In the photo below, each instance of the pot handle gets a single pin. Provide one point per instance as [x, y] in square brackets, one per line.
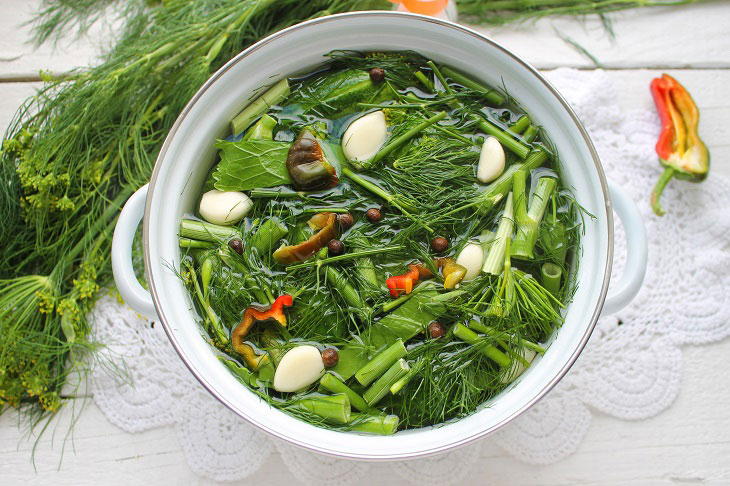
[136, 296]
[623, 290]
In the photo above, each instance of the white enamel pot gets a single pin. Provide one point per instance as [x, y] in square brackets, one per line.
[188, 153]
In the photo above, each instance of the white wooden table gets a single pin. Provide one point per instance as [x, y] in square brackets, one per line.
[687, 444]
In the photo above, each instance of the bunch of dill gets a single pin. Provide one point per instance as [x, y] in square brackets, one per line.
[80, 147]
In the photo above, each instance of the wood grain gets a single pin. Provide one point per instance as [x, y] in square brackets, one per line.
[657, 37]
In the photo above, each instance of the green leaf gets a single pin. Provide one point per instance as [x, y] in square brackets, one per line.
[251, 164]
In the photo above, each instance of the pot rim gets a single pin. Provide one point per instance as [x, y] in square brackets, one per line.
[375, 15]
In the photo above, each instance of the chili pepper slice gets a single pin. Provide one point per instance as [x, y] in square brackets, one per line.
[307, 164]
[250, 317]
[297, 253]
[453, 272]
[680, 149]
[404, 283]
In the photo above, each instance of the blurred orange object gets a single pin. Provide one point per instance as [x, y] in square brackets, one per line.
[424, 7]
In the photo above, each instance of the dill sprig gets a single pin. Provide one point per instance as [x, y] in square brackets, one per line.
[78, 148]
[500, 12]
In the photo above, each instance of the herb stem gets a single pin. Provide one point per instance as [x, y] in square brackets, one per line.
[332, 408]
[520, 125]
[519, 148]
[380, 363]
[209, 232]
[490, 351]
[528, 221]
[494, 262]
[333, 384]
[382, 385]
[490, 95]
[401, 140]
[346, 256]
[550, 275]
[374, 424]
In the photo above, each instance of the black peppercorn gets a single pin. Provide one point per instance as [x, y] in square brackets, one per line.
[439, 244]
[373, 215]
[335, 247]
[377, 75]
[346, 220]
[236, 245]
[330, 357]
[436, 329]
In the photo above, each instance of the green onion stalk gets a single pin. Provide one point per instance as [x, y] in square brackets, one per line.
[330, 408]
[380, 363]
[382, 385]
[528, 220]
[78, 148]
[378, 424]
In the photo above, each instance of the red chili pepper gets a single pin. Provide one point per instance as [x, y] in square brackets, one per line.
[405, 283]
[251, 316]
[679, 147]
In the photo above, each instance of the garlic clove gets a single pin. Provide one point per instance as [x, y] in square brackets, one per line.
[229, 207]
[491, 160]
[471, 258]
[298, 368]
[517, 367]
[364, 137]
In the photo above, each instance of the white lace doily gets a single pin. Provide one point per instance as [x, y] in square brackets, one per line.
[630, 368]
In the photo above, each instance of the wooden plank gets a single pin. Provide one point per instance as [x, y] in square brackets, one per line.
[649, 37]
[661, 37]
[21, 61]
[13, 95]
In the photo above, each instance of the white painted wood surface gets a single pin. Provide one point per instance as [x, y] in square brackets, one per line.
[687, 444]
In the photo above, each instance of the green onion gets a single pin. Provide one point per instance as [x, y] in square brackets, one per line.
[404, 380]
[519, 148]
[382, 385]
[332, 408]
[269, 233]
[530, 134]
[380, 363]
[213, 233]
[489, 331]
[333, 384]
[374, 424]
[345, 289]
[528, 221]
[190, 243]
[494, 262]
[520, 125]
[258, 107]
[490, 351]
[550, 275]
[490, 95]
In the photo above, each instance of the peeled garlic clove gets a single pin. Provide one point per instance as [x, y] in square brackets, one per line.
[491, 160]
[517, 367]
[364, 137]
[229, 207]
[471, 258]
[298, 368]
